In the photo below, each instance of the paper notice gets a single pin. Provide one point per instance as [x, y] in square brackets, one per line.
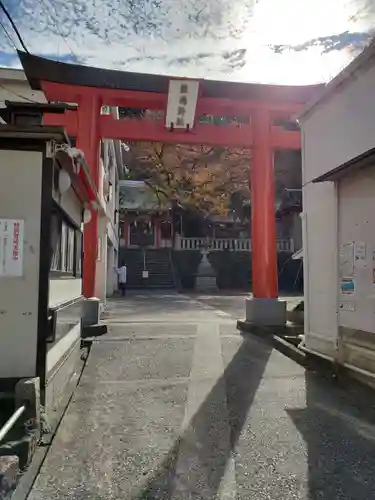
[347, 259]
[360, 254]
[11, 247]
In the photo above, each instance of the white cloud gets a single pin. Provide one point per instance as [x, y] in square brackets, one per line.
[292, 41]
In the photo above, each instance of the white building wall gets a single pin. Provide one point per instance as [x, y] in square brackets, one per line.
[319, 222]
[106, 278]
[337, 130]
[341, 127]
[357, 224]
[19, 295]
[111, 168]
[112, 226]
[101, 262]
[111, 269]
[63, 289]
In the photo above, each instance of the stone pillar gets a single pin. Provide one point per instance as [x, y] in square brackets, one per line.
[206, 278]
[27, 392]
[91, 312]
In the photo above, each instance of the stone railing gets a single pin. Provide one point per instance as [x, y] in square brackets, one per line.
[231, 244]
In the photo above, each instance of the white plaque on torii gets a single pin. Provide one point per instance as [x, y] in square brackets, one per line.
[182, 104]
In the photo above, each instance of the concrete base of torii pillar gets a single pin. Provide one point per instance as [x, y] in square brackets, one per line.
[267, 316]
[265, 312]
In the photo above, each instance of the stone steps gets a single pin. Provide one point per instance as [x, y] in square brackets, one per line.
[157, 264]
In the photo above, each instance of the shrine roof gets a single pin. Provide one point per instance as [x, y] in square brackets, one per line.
[38, 69]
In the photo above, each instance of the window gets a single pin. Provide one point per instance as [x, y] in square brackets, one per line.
[108, 198]
[70, 250]
[99, 249]
[66, 246]
[55, 242]
[111, 158]
[121, 229]
[63, 246]
[110, 191]
[102, 151]
[286, 124]
[79, 255]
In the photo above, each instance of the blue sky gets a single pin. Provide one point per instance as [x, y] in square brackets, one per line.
[268, 41]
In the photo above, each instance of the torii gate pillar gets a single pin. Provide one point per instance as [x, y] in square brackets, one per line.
[263, 308]
[88, 140]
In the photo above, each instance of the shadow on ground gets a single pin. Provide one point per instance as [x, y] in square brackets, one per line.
[338, 428]
[205, 440]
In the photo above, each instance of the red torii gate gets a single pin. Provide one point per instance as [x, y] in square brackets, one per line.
[92, 88]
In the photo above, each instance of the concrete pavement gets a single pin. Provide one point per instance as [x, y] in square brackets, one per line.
[175, 405]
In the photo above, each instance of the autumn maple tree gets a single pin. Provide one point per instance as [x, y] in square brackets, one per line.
[209, 180]
[199, 178]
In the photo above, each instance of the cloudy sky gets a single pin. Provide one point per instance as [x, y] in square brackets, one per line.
[268, 41]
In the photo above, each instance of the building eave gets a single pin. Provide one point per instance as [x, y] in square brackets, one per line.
[363, 60]
[12, 74]
[361, 162]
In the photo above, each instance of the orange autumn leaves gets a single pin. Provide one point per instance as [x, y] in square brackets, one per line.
[198, 178]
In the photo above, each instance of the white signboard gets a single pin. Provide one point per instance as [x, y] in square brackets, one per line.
[145, 274]
[105, 110]
[347, 306]
[182, 102]
[11, 247]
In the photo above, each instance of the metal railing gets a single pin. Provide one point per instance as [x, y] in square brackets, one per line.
[231, 244]
[213, 244]
[11, 421]
[218, 244]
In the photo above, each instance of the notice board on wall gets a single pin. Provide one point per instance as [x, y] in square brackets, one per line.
[11, 247]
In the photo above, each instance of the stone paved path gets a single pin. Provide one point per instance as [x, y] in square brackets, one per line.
[175, 405]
